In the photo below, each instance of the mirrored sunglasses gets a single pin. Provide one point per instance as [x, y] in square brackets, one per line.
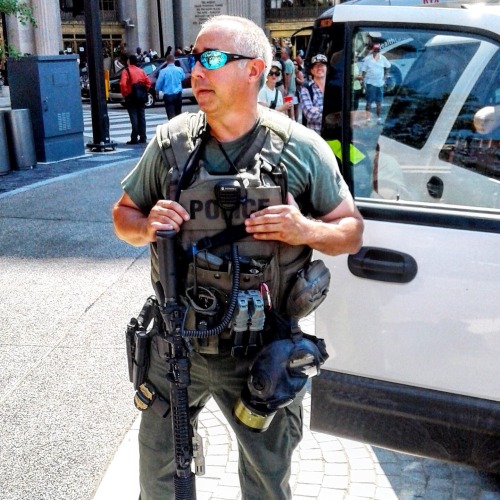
[214, 59]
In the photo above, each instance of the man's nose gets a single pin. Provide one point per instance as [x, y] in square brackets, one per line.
[197, 69]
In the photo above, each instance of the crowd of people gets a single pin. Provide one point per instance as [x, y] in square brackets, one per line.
[291, 90]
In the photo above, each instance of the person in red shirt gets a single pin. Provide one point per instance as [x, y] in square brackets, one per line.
[130, 75]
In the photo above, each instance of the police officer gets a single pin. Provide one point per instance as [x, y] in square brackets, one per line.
[230, 61]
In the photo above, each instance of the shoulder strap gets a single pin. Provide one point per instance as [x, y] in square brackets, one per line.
[310, 90]
[275, 100]
[280, 130]
[129, 74]
[178, 140]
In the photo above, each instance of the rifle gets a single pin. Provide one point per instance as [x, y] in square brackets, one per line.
[187, 443]
[178, 375]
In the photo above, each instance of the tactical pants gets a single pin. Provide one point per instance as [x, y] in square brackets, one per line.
[264, 458]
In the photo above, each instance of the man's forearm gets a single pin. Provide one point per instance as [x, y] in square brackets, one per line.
[130, 225]
[335, 238]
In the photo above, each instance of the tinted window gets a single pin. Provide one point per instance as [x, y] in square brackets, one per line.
[426, 147]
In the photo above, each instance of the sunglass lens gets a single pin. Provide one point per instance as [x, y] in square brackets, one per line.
[213, 59]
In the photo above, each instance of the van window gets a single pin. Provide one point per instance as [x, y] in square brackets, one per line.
[414, 138]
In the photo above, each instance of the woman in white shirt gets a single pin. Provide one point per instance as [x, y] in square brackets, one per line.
[269, 95]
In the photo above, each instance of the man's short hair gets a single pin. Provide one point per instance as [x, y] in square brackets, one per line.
[249, 39]
[133, 59]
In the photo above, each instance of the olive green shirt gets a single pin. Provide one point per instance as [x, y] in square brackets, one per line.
[314, 178]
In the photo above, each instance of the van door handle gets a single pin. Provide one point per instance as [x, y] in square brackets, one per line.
[381, 264]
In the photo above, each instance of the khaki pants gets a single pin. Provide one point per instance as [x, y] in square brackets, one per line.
[264, 458]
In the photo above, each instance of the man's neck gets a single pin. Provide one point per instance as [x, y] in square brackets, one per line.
[230, 127]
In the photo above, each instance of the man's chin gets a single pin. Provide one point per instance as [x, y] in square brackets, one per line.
[205, 101]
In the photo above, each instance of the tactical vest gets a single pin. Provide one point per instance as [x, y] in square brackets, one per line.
[265, 265]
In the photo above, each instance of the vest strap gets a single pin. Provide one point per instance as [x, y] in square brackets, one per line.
[226, 236]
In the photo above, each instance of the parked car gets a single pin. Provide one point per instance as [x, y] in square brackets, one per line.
[153, 69]
[187, 91]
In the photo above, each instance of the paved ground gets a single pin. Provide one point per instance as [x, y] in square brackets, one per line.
[69, 428]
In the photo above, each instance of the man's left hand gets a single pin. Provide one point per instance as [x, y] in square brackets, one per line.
[279, 223]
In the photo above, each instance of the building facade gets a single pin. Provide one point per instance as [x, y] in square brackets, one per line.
[153, 24]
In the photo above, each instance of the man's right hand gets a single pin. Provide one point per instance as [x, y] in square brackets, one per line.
[136, 228]
[166, 215]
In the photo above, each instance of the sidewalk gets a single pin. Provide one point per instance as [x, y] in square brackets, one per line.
[68, 287]
[46, 172]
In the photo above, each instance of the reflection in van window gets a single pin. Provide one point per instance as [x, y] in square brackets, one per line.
[439, 137]
[426, 89]
[474, 141]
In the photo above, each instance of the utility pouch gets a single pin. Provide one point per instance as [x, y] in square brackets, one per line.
[138, 342]
[309, 290]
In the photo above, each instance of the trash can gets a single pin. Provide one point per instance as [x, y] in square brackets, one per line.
[4, 147]
[20, 138]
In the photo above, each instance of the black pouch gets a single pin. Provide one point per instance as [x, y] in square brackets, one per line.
[138, 341]
[309, 290]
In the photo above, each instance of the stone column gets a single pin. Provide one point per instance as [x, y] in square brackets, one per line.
[48, 33]
[167, 24]
[20, 36]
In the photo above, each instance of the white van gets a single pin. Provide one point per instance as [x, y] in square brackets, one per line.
[412, 321]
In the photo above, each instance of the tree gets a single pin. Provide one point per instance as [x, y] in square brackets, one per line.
[18, 8]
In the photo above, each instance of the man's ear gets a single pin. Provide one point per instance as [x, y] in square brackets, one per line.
[257, 67]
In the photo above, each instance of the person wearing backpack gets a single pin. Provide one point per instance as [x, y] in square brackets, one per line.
[311, 94]
[134, 86]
